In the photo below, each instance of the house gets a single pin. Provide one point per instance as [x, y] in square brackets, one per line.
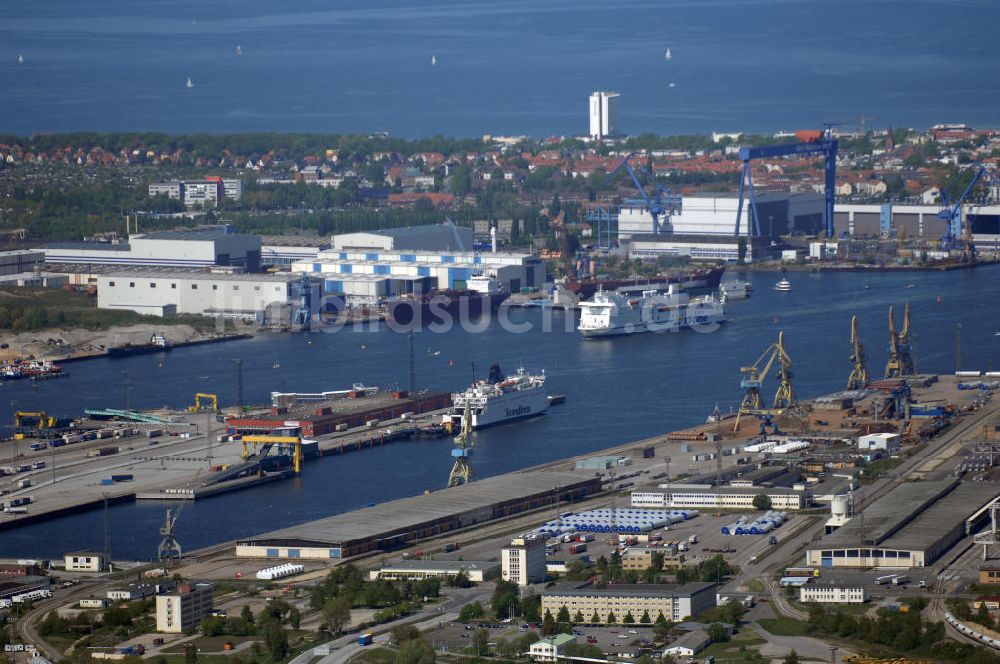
[549, 650]
[85, 561]
[689, 645]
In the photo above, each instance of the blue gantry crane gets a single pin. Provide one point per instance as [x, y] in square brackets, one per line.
[662, 202]
[811, 142]
[951, 214]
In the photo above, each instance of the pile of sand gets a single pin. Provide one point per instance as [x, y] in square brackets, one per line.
[56, 344]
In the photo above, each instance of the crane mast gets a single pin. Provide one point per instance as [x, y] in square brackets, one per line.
[461, 470]
[858, 379]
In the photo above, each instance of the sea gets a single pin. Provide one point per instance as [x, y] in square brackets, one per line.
[617, 390]
[416, 68]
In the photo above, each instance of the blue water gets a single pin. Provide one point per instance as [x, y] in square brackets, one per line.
[521, 66]
[618, 390]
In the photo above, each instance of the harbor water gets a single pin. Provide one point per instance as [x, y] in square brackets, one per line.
[618, 390]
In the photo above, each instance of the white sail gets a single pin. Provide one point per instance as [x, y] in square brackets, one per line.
[434, 59]
[189, 83]
[668, 56]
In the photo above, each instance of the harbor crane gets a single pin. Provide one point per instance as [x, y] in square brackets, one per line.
[900, 361]
[951, 214]
[811, 142]
[858, 380]
[292, 444]
[661, 203]
[461, 471]
[303, 314]
[753, 379]
[558, 225]
[169, 546]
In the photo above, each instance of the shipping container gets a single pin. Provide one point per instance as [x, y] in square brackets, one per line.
[37, 446]
[341, 427]
[23, 467]
[451, 546]
[24, 484]
[579, 547]
[57, 442]
[122, 478]
[154, 433]
[38, 465]
[108, 451]
[107, 481]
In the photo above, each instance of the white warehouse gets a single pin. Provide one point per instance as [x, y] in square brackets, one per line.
[264, 298]
[679, 496]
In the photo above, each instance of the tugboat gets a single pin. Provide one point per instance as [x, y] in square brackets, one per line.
[157, 344]
[34, 369]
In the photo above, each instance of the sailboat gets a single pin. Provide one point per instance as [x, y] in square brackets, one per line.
[189, 83]
[20, 59]
[434, 59]
[239, 51]
[668, 56]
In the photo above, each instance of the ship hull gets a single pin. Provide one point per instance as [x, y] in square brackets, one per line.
[708, 278]
[508, 408]
[443, 308]
[128, 351]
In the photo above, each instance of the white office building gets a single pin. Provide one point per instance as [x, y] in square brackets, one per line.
[199, 193]
[85, 561]
[183, 609]
[833, 594]
[523, 561]
[603, 114]
[886, 442]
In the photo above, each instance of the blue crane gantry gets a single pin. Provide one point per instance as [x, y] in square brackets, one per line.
[821, 144]
[662, 201]
[951, 214]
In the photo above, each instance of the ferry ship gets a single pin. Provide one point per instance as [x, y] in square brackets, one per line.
[500, 399]
[613, 313]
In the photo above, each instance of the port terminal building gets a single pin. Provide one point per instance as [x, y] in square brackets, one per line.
[398, 523]
[911, 526]
[324, 413]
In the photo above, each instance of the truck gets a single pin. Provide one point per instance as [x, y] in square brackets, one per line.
[693, 539]
[682, 546]
[154, 433]
[122, 478]
[24, 484]
[366, 639]
[451, 546]
[885, 580]
[38, 465]
[579, 547]
[585, 537]
[900, 579]
[37, 447]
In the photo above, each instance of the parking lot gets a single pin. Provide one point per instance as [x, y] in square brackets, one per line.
[620, 639]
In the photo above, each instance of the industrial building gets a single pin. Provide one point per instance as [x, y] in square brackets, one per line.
[523, 561]
[431, 237]
[912, 221]
[395, 524]
[20, 261]
[316, 415]
[697, 247]
[714, 214]
[612, 604]
[477, 571]
[85, 561]
[261, 298]
[886, 442]
[826, 594]
[724, 497]
[23, 584]
[283, 250]
[200, 247]
[378, 273]
[183, 609]
[911, 526]
[603, 114]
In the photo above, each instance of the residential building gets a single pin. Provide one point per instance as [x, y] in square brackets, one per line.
[989, 572]
[169, 189]
[833, 594]
[603, 114]
[85, 561]
[523, 561]
[425, 569]
[675, 602]
[183, 609]
[689, 644]
[549, 650]
[199, 193]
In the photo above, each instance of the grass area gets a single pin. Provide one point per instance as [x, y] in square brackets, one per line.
[379, 655]
[736, 648]
[202, 659]
[755, 586]
[784, 626]
[878, 468]
[210, 643]
[28, 309]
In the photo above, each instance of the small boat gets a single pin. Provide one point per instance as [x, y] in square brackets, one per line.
[276, 366]
[239, 51]
[784, 285]
[556, 399]
[20, 59]
[673, 85]
[669, 55]
[909, 286]
[434, 59]
[189, 83]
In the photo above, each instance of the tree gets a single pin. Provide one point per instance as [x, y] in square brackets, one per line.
[791, 658]
[611, 618]
[531, 608]
[549, 626]
[294, 617]
[213, 626]
[563, 615]
[470, 612]
[337, 613]
[415, 651]
[761, 502]
[400, 634]
[628, 619]
[276, 640]
[506, 599]
[595, 619]
[190, 654]
[645, 619]
[717, 633]
[247, 614]
[578, 618]
[460, 580]
[480, 639]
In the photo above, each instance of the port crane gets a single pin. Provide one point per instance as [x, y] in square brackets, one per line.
[461, 471]
[753, 380]
[169, 546]
[811, 142]
[951, 215]
[661, 203]
[200, 401]
[293, 442]
[858, 380]
[303, 314]
[900, 361]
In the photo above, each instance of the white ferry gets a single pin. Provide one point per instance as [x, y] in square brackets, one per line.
[500, 398]
[612, 313]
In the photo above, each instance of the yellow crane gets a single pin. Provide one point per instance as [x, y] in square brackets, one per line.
[43, 420]
[753, 379]
[858, 380]
[198, 407]
[294, 441]
[461, 471]
[900, 361]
